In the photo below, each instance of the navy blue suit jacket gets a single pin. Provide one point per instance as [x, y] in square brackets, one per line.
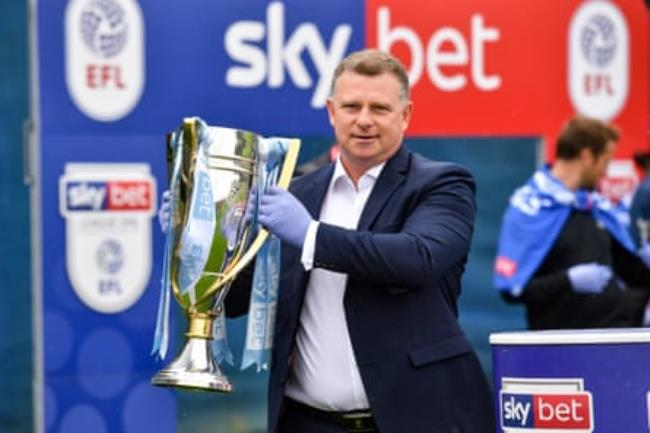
[404, 264]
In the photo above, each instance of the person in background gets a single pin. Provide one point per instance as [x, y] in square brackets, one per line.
[562, 252]
[640, 208]
[374, 245]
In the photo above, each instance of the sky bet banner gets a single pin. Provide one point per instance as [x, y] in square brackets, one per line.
[476, 67]
[112, 77]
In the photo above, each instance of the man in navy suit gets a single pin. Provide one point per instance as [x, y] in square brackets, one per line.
[373, 249]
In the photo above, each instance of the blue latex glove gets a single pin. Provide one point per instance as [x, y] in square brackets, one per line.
[164, 211]
[644, 253]
[284, 216]
[589, 277]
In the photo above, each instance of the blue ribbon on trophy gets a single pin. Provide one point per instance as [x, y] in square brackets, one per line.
[266, 276]
[161, 334]
[196, 237]
[211, 216]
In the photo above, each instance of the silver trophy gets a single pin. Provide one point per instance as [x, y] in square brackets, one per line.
[230, 164]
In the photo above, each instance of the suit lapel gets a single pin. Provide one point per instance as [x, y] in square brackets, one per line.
[313, 192]
[390, 178]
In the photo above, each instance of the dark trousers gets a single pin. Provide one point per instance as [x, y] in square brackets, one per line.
[300, 419]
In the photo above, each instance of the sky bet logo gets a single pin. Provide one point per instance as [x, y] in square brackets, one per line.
[559, 412]
[272, 53]
[108, 196]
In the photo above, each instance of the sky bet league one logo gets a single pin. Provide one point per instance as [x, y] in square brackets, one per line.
[599, 66]
[530, 405]
[108, 209]
[104, 47]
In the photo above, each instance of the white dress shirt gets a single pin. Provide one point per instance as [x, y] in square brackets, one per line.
[324, 372]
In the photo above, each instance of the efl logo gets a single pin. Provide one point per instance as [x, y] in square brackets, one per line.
[108, 196]
[598, 76]
[104, 56]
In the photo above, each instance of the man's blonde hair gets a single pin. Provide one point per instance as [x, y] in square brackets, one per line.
[373, 62]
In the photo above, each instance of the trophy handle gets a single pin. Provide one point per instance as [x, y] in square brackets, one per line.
[290, 160]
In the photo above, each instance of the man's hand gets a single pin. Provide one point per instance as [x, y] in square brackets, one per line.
[589, 277]
[164, 212]
[284, 216]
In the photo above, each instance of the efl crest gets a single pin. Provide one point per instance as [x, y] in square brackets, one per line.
[104, 50]
[599, 60]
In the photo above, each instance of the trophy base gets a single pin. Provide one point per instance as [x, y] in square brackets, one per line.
[194, 369]
[192, 380]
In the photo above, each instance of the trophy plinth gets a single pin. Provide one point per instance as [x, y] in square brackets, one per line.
[195, 367]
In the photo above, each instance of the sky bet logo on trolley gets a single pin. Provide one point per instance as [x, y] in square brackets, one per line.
[565, 412]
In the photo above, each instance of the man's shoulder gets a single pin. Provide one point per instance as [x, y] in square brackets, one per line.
[423, 166]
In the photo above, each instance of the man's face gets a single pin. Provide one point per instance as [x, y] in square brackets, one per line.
[368, 117]
[595, 167]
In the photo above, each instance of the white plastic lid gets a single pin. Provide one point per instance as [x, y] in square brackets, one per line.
[577, 336]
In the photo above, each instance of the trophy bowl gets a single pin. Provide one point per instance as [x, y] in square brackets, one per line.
[212, 172]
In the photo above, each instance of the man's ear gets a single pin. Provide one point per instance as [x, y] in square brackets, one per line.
[330, 110]
[586, 156]
[407, 114]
